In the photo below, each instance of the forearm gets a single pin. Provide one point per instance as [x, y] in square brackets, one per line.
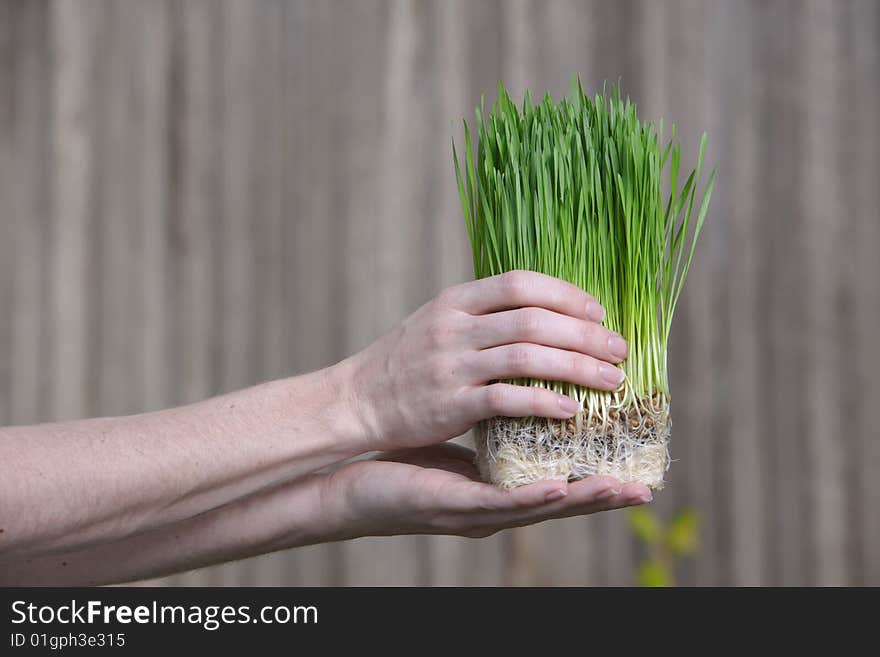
[75, 484]
[286, 515]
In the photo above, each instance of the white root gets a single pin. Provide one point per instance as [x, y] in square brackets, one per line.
[629, 443]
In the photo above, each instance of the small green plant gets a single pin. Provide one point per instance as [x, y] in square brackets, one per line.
[584, 191]
[665, 543]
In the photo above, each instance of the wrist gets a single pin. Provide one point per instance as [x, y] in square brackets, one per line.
[346, 410]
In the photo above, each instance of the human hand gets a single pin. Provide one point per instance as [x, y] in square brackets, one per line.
[437, 490]
[430, 378]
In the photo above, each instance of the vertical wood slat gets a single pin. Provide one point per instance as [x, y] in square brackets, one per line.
[75, 38]
[269, 235]
[151, 201]
[30, 100]
[381, 283]
[314, 311]
[236, 271]
[782, 311]
[864, 23]
[193, 221]
[745, 478]
[194, 98]
[451, 561]
[616, 551]
[822, 389]
[695, 325]
[654, 99]
[117, 170]
[7, 228]
[518, 66]
[236, 283]
[712, 434]
[558, 553]
[464, 59]
[133, 204]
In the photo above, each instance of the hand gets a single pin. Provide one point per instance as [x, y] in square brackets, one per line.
[431, 377]
[436, 490]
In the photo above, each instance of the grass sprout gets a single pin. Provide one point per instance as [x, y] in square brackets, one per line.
[575, 189]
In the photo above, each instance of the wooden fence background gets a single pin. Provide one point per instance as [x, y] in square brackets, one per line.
[198, 195]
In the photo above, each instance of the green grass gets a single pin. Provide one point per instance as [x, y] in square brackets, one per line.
[575, 190]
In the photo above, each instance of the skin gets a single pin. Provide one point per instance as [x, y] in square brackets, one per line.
[356, 449]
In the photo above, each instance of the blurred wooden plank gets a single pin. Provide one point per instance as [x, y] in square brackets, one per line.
[383, 272]
[313, 309]
[606, 61]
[864, 157]
[117, 167]
[557, 553]
[269, 184]
[30, 202]
[847, 299]
[781, 305]
[236, 284]
[519, 64]
[653, 97]
[269, 236]
[453, 561]
[825, 382]
[150, 202]
[616, 55]
[567, 32]
[719, 46]
[233, 283]
[486, 560]
[744, 387]
[696, 323]
[132, 209]
[194, 221]
[75, 46]
[8, 24]
[194, 101]
[519, 57]
[450, 102]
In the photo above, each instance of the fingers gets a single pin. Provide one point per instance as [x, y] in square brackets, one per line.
[589, 490]
[604, 491]
[483, 402]
[488, 500]
[576, 503]
[552, 329]
[525, 506]
[516, 289]
[546, 363]
[543, 499]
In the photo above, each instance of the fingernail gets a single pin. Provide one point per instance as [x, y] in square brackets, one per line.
[595, 311]
[608, 494]
[617, 346]
[640, 499]
[610, 374]
[569, 405]
[556, 494]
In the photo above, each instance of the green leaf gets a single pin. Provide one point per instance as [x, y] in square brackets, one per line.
[580, 189]
[683, 534]
[653, 574]
[645, 525]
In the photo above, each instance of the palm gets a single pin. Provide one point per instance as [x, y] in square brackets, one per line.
[437, 489]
